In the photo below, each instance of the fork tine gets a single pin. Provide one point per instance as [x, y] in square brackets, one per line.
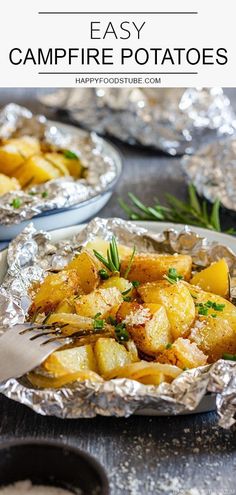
[20, 354]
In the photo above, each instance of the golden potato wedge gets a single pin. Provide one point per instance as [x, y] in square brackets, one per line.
[36, 170]
[215, 331]
[7, 184]
[176, 299]
[226, 309]
[184, 354]
[41, 381]
[214, 336]
[87, 267]
[15, 151]
[99, 301]
[69, 166]
[55, 288]
[148, 326]
[71, 360]
[110, 354]
[102, 246]
[214, 278]
[149, 267]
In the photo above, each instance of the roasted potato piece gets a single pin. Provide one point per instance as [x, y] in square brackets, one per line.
[215, 330]
[7, 184]
[122, 284]
[55, 160]
[110, 354]
[214, 336]
[176, 299]
[214, 278]
[225, 309]
[71, 360]
[148, 326]
[15, 151]
[55, 288]
[66, 306]
[99, 301]
[102, 246]
[36, 170]
[87, 267]
[184, 354]
[149, 267]
[69, 166]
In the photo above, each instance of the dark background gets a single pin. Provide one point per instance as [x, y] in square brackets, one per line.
[168, 455]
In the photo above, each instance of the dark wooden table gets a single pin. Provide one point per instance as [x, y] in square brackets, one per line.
[142, 455]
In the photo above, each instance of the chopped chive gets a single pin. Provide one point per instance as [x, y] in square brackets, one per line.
[135, 283]
[44, 194]
[229, 357]
[168, 346]
[16, 203]
[103, 274]
[173, 276]
[70, 154]
[127, 298]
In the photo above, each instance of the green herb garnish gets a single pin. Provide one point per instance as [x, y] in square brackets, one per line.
[70, 154]
[16, 203]
[126, 298]
[44, 194]
[112, 263]
[168, 346]
[121, 333]
[192, 212]
[130, 263]
[125, 292]
[135, 283]
[112, 321]
[98, 323]
[229, 357]
[203, 308]
[173, 276]
[103, 274]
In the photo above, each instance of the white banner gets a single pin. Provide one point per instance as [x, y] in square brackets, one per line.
[168, 43]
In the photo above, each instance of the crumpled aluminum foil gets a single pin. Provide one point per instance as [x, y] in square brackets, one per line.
[175, 120]
[32, 253]
[102, 170]
[213, 171]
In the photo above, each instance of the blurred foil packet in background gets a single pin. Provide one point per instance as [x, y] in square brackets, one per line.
[101, 163]
[175, 121]
[212, 170]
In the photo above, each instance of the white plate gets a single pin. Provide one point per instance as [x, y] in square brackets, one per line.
[208, 402]
[76, 214]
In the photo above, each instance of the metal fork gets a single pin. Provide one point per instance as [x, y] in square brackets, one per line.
[23, 347]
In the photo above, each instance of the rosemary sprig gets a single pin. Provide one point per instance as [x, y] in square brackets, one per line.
[130, 263]
[192, 212]
[112, 263]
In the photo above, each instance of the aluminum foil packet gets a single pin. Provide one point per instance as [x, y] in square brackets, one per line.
[101, 168]
[175, 120]
[213, 171]
[32, 253]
